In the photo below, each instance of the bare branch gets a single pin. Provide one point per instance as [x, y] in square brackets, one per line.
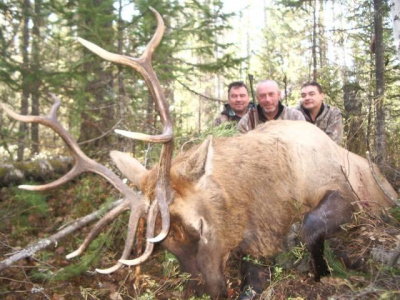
[53, 240]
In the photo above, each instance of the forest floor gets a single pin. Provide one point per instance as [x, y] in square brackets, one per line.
[27, 216]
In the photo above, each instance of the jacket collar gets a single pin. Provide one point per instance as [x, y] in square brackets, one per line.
[263, 118]
[322, 112]
[229, 111]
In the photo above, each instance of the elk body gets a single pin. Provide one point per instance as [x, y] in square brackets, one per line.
[231, 194]
[243, 193]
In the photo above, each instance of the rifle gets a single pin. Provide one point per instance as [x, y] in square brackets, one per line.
[253, 110]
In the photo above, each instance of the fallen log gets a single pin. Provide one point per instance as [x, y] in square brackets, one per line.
[14, 173]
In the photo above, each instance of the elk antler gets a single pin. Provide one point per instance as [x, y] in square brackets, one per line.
[143, 66]
[132, 200]
[85, 164]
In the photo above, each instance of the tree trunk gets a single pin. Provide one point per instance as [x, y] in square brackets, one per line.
[37, 20]
[199, 116]
[150, 120]
[395, 14]
[3, 137]
[370, 100]
[23, 127]
[314, 40]
[380, 135]
[321, 35]
[355, 141]
[123, 104]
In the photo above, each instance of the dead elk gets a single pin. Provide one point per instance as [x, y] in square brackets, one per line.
[230, 194]
[243, 193]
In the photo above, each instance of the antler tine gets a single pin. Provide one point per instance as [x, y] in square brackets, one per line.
[82, 162]
[133, 222]
[143, 66]
[163, 196]
[132, 227]
[156, 39]
[75, 171]
[137, 261]
[52, 122]
[151, 221]
[103, 222]
[34, 119]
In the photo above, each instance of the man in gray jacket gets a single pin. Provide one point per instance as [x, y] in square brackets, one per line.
[269, 108]
[315, 111]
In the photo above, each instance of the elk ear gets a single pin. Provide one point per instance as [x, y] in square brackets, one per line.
[129, 166]
[199, 162]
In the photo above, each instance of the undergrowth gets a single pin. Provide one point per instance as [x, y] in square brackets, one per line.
[25, 212]
[161, 277]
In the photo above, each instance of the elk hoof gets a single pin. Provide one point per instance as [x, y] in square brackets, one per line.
[321, 271]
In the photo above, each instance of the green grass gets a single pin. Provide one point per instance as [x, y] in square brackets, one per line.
[33, 202]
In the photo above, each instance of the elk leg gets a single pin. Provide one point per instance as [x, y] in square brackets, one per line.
[254, 279]
[320, 224]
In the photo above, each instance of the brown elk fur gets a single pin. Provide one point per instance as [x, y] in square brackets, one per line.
[243, 193]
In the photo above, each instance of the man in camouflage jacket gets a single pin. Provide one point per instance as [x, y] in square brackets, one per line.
[315, 111]
[239, 104]
[269, 108]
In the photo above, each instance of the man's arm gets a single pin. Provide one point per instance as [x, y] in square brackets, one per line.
[335, 126]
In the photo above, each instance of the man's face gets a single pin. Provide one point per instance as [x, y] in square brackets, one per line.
[311, 98]
[268, 95]
[239, 100]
